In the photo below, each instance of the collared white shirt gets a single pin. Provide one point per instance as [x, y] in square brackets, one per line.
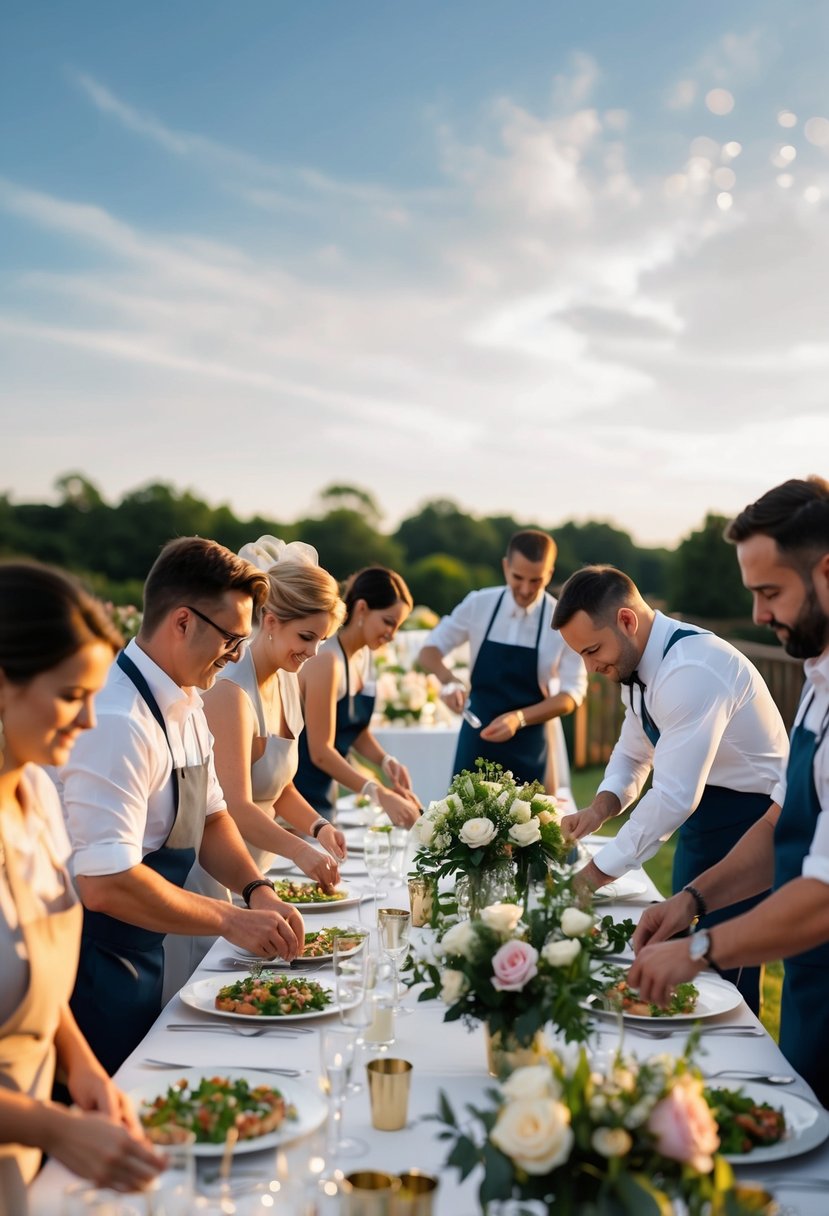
[560, 669]
[718, 724]
[116, 788]
[816, 862]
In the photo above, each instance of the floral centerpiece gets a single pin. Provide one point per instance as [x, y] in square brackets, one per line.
[515, 971]
[406, 696]
[485, 820]
[637, 1139]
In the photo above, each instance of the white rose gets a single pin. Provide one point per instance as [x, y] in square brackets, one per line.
[525, 833]
[453, 802]
[549, 806]
[521, 812]
[423, 830]
[536, 1081]
[436, 809]
[611, 1141]
[459, 939]
[453, 985]
[575, 923]
[477, 833]
[561, 954]
[535, 1133]
[502, 917]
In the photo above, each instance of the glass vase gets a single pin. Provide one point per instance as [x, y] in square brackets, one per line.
[504, 1053]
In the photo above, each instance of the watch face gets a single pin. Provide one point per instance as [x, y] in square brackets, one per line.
[699, 945]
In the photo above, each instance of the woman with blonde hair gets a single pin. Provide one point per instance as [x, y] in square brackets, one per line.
[338, 696]
[56, 646]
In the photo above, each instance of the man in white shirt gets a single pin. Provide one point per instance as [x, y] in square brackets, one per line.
[142, 801]
[783, 549]
[698, 714]
[522, 675]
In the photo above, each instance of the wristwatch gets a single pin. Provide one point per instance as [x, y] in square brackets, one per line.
[699, 948]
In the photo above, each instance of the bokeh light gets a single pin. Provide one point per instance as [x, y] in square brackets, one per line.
[724, 177]
[816, 131]
[719, 101]
[732, 149]
[725, 201]
[786, 118]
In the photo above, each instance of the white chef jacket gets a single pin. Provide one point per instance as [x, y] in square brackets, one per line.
[718, 724]
[117, 795]
[560, 669]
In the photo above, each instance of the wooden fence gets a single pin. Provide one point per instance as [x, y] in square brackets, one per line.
[597, 721]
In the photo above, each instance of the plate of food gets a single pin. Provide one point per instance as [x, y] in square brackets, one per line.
[319, 945]
[271, 996]
[707, 997]
[310, 896]
[759, 1123]
[177, 1104]
[627, 886]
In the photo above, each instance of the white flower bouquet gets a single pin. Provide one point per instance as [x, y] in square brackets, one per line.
[639, 1138]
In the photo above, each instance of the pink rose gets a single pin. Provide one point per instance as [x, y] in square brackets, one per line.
[513, 966]
[684, 1127]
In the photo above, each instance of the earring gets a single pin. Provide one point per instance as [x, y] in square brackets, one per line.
[270, 637]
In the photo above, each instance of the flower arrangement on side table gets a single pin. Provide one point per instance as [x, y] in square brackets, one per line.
[517, 970]
[638, 1138]
[406, 697]
[487, 819]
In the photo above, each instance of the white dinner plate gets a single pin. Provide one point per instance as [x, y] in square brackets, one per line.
[354, 817]
[201, 995]
[807, 1124]
[276, 962]
[310, 1105]
[326, 905]
[716, 996]
[628, 886]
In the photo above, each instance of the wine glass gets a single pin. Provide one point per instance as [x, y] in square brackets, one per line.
[175, 1189]
[394, 925]
[351, 966]
[399, 843]
[336, 1060]
[379, 1034]
[377, 857]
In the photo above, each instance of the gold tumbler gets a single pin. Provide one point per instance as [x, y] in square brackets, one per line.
[389, 1081]
[416, 1194]
[421, 896]
[369, 1193]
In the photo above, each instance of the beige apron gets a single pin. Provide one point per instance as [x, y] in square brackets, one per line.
[27, 1048]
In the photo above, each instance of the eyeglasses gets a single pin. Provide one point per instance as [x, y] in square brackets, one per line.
[232, 640]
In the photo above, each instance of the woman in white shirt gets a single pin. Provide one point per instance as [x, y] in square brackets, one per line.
[338, 694]
[56, 645]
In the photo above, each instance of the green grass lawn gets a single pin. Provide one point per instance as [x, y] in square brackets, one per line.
[585, 782]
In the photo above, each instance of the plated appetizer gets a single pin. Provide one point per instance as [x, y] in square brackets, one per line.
[745, 1124]
[269, 995]
[320, 943]
[295, 892]
[620, 996]
[211, 1108]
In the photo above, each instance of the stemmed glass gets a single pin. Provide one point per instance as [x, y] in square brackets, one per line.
[352, 960]
[394, 925]
[377, 857]
[399, 843]
[336, 1060]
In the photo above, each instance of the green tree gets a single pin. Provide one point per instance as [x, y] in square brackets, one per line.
[441, 581]
[441, 526]
[346, 542]
[704, 575]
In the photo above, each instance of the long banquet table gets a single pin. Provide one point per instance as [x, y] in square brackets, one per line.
[444, 1057]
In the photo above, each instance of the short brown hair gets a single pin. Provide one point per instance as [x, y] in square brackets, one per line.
[45, 618]
[597, 590]
[795, 515]
[192, 570]
[533, 544]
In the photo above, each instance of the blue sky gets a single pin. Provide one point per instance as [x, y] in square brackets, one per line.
[556, 260]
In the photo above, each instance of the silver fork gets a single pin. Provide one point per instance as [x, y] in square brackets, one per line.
[281, 1072]
[248, 1032]
[749, 1032]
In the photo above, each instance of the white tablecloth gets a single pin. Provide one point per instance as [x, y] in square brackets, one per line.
[444, 1056]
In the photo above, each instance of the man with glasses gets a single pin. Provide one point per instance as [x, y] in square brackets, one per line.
[142, 801]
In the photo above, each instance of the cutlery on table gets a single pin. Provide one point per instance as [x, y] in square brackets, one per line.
[281, 1072]
[247, 1032]
[749, 1032]
[745, 1074]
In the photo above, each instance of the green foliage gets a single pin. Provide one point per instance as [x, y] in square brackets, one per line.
[704, 575]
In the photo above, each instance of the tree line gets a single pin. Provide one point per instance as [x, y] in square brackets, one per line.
[442, 551]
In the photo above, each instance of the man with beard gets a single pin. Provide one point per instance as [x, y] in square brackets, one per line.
[783, 549]
[697, 713]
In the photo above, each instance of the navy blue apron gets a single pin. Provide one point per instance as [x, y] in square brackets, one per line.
[721, 818]
[117, 993]
[804, 1009]
[505, 678]
[353, 716]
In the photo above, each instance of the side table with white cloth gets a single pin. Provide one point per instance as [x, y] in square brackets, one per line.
[444, 1056]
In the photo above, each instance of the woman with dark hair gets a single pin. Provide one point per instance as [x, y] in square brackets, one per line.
[337, 689]
[56, 646]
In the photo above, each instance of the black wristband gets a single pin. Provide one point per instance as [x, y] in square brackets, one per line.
[251, 887]
[318, 826]
[699, 902]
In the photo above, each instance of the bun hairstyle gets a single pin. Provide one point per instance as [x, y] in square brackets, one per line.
[378, 587]
[297, 584]
[45, 618]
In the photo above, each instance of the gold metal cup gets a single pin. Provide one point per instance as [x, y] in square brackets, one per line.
[369, 1193]
[389, 1081]
[421, 899]
[416, 1194]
